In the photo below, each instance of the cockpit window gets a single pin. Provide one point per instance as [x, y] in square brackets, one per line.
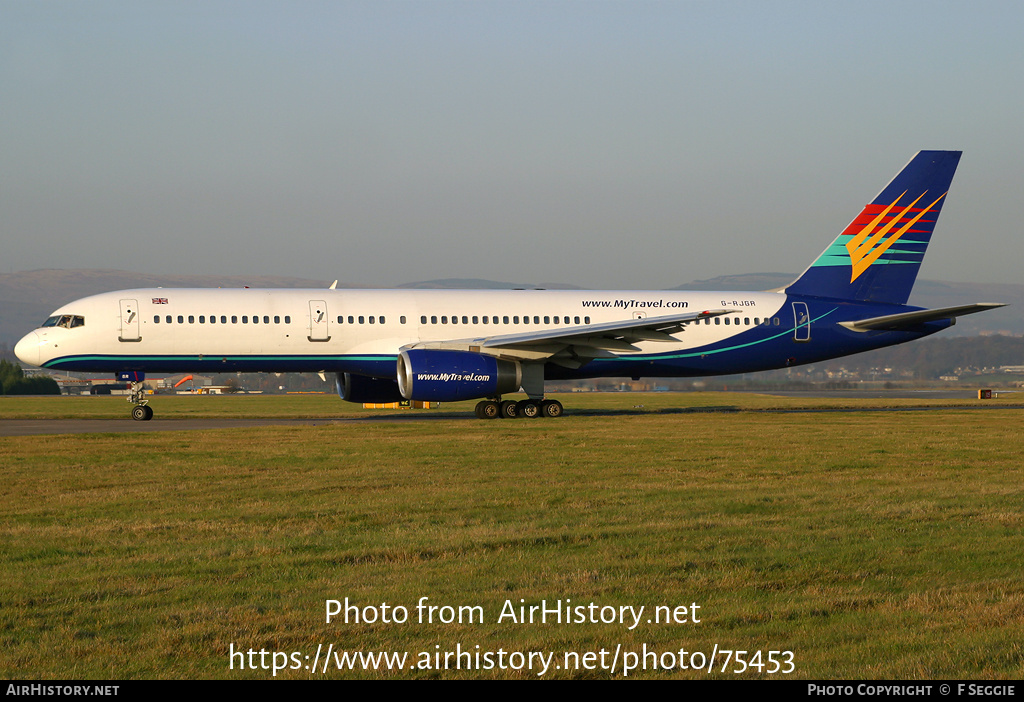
[68, 321]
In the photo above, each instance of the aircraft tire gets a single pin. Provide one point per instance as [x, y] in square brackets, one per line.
[528, 409]
[139, 413]
[551, 408]
[508, 409]
[487, 409]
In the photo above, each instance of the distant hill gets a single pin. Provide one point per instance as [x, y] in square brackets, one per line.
[749, 281]
[28, 297]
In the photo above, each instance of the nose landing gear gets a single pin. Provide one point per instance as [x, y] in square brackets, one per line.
[141, 412]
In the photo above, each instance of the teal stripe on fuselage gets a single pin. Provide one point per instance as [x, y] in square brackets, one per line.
[705, 351]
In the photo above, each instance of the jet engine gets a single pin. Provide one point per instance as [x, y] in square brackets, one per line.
[448, 376]
[362, 388]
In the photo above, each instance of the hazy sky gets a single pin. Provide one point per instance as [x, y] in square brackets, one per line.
[603, 144]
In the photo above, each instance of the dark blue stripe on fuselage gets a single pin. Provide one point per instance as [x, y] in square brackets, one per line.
[383, 366]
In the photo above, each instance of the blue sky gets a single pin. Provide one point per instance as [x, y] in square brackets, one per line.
[602, 144]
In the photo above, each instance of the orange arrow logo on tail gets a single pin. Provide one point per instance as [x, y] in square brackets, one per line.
[865, 251]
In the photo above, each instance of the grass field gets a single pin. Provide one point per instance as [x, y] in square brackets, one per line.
[869, 544]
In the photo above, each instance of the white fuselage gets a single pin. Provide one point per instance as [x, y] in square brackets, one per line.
[286, 329]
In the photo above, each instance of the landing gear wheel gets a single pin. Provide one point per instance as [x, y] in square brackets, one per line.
[141, 412]
[487, 409]
[528, 409]
[551, 408]
[507, 409]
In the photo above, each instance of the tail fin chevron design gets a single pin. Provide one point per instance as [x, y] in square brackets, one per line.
[864, 253]
[876, 258]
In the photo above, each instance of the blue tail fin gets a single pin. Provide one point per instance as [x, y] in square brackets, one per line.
[877, 256]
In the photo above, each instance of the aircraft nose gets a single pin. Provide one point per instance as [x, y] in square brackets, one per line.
[28, 349]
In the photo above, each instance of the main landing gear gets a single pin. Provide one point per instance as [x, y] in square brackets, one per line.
[141, 412]
[510, 409]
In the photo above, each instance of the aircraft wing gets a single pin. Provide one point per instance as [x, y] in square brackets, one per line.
[575, 345]
[908, 320]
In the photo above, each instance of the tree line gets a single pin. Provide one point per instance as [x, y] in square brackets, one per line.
[13, 381]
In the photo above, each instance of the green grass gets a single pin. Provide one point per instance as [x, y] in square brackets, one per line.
[872, 545]
[330, 406]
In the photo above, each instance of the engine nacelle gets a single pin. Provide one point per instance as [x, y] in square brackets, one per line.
[448, 376]
[362, 388]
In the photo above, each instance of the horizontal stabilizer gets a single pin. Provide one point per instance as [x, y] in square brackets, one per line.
[908, 320]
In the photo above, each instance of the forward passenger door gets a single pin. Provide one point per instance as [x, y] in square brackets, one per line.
[129, 321]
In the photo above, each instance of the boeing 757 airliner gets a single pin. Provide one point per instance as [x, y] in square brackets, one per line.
[448, 345]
